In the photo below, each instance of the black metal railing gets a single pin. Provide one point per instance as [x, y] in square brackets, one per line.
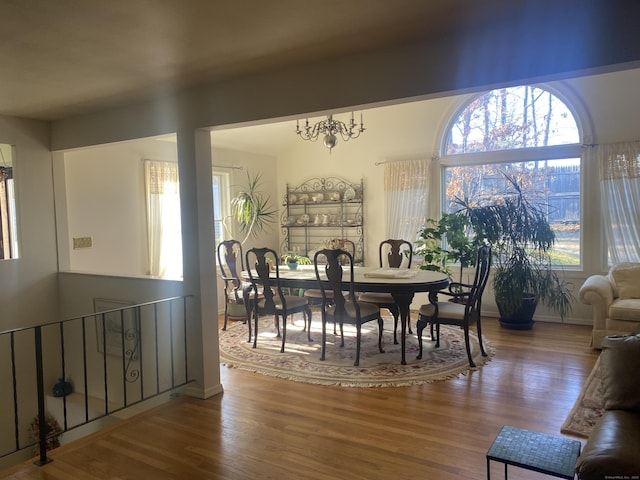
[139, 352]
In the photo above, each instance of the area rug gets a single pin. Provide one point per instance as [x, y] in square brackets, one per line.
[301, 360]
[587, 410]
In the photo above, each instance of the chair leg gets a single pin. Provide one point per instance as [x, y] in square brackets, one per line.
[341, 335]
[226, 316]
[479, 329]
[358, 335]
[380, 329]
[324, 336]
[308, 324]
[255, 330]
[466, 341]
[420, 326]
[437, 334]
[396, 314]
[276, 323]
[284, 332]
[250, 313]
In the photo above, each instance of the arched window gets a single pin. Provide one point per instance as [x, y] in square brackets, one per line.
[526, 132]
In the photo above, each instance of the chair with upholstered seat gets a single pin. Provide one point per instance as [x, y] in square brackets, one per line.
[338, 307]
[393, 254]
[314, 295]
[463, 310]
[273, 301]
[229, 254]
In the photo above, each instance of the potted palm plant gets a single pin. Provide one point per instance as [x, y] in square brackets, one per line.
[518, 229]
[251, 208]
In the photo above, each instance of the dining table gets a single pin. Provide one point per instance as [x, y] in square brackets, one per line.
[402, 284]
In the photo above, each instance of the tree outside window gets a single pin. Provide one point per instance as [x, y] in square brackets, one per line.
[527, 133]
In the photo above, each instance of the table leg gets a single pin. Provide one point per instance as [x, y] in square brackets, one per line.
[403, 300]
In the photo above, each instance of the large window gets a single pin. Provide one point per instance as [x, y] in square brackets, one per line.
[8, 223]
[163, 219]
[220, 204]
[526, 132]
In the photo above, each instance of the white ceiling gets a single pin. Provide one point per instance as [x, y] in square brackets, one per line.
[61, 58]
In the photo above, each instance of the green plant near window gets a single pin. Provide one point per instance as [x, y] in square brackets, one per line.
[446, 241]
[518, 229]
[251, 209]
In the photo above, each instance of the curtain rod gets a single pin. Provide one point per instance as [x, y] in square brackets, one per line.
[232, 167]
[377, 164]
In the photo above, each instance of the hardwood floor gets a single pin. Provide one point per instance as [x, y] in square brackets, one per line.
[268, 428]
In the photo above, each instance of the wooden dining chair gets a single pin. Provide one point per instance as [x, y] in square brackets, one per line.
[338, 307]
[392, 254]
[464, 308]
[273, 301]
[236, 292]
[314, 295]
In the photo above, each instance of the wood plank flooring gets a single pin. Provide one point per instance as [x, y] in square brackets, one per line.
[269, 428]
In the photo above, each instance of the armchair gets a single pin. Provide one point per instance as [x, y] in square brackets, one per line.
[615, 301]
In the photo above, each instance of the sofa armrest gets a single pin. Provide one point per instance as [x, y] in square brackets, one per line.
[612, 448]
[597, 291]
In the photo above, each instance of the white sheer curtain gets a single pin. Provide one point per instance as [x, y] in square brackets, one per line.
[406, 184]
[163, 218]
[619, 166]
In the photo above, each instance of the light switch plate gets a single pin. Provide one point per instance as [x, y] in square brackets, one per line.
[82, 242]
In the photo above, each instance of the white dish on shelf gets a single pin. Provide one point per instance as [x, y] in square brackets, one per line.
[349, 194]
[304, 198]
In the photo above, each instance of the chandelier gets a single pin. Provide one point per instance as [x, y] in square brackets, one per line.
[330, 129]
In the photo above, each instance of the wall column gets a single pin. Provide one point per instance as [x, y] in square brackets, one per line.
[196, 200]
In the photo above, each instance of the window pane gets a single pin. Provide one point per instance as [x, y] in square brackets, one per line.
[512, 118]
[221, 204]
[555, 183]
[216, 197]
[8, 222]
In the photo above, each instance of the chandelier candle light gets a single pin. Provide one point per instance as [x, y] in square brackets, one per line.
[330, 128]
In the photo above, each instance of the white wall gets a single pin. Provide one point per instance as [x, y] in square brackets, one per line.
[29, 284]
[105, 200]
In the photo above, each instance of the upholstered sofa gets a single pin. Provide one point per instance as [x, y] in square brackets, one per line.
[615, 301]
[613, 448]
